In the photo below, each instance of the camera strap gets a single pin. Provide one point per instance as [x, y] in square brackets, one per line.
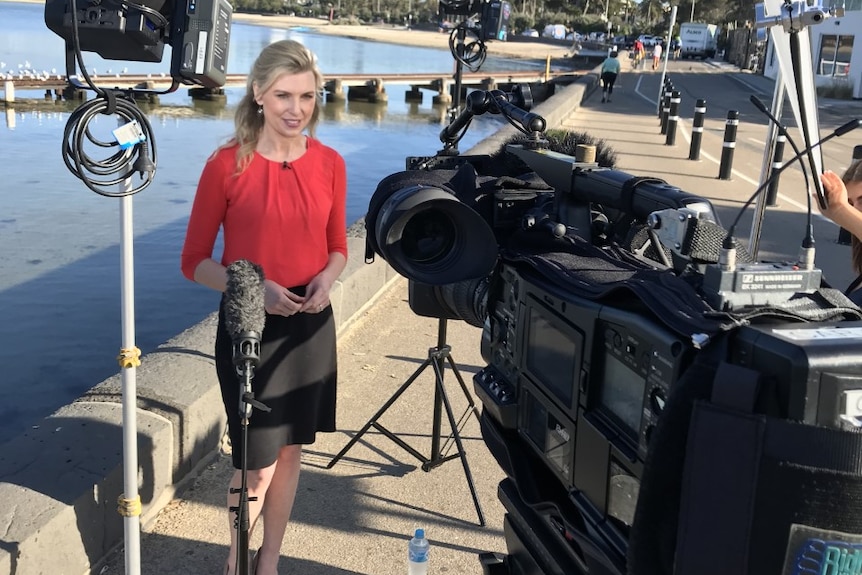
[613, 274]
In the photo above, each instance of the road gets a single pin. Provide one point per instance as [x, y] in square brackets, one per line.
[630, 126]
[724, 92]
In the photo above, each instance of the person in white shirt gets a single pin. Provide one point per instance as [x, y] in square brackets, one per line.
[656, 55]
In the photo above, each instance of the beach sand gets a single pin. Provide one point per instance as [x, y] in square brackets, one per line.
[521, 48]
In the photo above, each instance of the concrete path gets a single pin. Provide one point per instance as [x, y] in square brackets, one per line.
[356, 518]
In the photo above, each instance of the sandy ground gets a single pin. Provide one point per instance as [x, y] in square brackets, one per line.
[401, 35]
[530, 50]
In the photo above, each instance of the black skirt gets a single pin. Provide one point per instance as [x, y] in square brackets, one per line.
[296, 379]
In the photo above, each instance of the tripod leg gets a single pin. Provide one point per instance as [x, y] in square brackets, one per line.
[471, 404]
[457, 435]
[380, 412]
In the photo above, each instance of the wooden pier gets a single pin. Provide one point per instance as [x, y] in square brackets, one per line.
[368, 87]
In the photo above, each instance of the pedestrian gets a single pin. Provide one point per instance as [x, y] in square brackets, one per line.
[844, 199]
[639, 54]
[676, 46]
[610, 70]
[656, 55]
[278, 196]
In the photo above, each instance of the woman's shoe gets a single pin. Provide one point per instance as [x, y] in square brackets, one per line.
[253, 564]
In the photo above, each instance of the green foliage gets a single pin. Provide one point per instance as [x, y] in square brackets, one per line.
[626, 16]
[519, 22]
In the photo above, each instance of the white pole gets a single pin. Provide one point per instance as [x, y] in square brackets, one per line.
[665, 52]
[129, 501]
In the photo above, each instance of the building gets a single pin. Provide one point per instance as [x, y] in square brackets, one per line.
[836, 54]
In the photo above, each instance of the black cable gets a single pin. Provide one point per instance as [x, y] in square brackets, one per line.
[837, 132]
[474, 52]
[118, 168]
[782, 130]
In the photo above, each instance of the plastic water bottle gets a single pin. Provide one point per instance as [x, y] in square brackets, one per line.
[417, 554]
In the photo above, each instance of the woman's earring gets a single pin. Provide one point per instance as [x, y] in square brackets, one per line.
[259, 110]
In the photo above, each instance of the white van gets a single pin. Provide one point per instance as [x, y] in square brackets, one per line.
[555, 31]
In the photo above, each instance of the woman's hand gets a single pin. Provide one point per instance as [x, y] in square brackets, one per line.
[841, 210]
[835, 192]
[280, 300]
[317, 294]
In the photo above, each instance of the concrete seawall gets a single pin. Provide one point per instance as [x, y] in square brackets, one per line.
[60, 481]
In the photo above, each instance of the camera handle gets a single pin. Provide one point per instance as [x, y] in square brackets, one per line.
[437, 358]
[496, 102]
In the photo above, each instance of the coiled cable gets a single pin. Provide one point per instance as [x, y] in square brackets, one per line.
[473, 53]
[139, 156]
[100, 174]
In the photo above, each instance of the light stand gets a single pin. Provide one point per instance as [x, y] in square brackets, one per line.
[795, 77]
[437, 358]
[246, 358]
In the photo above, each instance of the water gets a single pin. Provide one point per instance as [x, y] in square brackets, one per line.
[59, 262]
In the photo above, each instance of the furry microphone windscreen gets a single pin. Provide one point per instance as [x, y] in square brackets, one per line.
[560, 141]
[244, 309]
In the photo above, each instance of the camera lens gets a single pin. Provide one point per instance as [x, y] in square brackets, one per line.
[417, 223]
[428, 237]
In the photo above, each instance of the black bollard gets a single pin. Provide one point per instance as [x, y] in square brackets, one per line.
[672, 119]
[697, 130]
[772, 190]
[729, 145]
[664, 89]
[665, 109]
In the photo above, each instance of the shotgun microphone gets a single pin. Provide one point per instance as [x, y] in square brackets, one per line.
[244, 318]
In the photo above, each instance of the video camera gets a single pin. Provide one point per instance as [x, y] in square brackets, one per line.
[659, 402]
[198, 32]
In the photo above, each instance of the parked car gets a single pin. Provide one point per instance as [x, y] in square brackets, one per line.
[648, 40]
[530, 33]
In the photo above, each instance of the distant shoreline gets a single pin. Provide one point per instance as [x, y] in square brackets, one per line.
[527, 50]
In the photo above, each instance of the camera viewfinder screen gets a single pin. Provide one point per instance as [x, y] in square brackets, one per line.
[622, 393]
[553, 356]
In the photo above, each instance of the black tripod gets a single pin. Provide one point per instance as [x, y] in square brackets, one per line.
[436, 358]
[246, 357]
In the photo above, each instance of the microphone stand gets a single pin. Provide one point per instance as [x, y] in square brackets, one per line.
[246, 357]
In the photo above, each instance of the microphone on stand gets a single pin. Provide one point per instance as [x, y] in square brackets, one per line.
[245, 315]
[244, 318]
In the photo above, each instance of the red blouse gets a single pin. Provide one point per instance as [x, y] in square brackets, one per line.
[287, 218]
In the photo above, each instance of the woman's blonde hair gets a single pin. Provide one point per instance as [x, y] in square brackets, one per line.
[277, 59]
[854, 174]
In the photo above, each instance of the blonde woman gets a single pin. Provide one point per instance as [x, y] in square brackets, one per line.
[278, 195]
